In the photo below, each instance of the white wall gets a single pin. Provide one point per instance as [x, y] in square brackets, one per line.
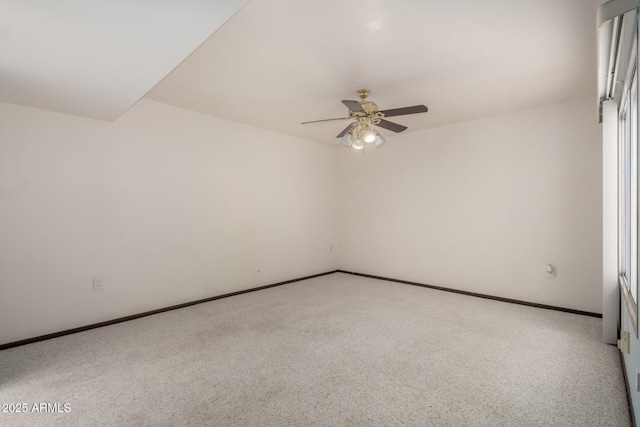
[483, 206]
[166, 205]
[170, 206]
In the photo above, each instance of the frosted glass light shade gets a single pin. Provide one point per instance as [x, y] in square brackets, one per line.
[380, 141]
[357, 144]
[369, 135]
[346, 139]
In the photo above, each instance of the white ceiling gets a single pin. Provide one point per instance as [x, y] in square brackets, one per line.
[277, 63]
[96, 58]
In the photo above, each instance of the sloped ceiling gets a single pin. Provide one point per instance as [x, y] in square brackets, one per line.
[277, 63]
[97, 58]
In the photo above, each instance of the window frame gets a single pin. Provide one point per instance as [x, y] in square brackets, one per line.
[628, 237]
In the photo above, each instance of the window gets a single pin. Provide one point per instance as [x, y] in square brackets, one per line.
[625, 194]
[628, 187]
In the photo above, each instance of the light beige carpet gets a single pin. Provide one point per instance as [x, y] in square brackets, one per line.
[333, 350]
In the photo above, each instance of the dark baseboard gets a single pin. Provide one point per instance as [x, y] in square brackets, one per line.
[626, 386]
[473, 294]
[149, 313]
[187, 304]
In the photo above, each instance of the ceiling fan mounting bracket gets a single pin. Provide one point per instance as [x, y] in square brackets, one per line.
[363, 93]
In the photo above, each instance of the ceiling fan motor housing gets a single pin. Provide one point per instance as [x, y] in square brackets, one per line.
[369, 107]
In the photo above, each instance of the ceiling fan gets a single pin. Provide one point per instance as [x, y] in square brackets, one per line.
[366, 115]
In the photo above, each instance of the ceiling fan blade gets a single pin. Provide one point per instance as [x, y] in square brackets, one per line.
[344, 132]
[353, 106]
[405, 110]
[391, 126]
[324, 120]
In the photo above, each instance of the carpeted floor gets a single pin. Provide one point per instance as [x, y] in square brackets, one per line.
[333, 350]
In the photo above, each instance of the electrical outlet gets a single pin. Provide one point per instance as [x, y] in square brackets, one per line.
[97, 284]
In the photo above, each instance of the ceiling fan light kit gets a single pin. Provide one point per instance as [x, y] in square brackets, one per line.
[358, 135]
[366, 115]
